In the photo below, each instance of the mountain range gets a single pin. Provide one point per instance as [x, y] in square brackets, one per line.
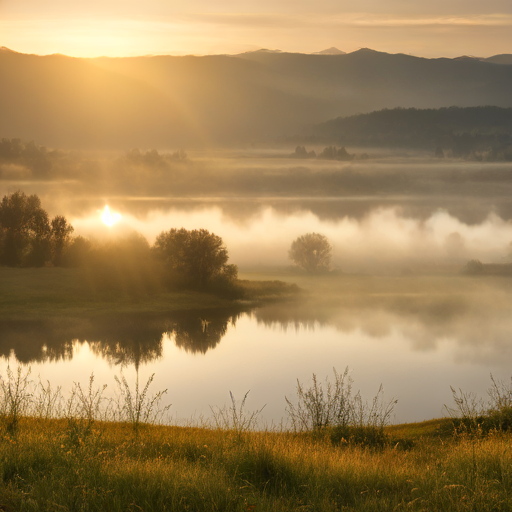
[168, 101]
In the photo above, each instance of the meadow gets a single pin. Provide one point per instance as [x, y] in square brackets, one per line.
[50, 465]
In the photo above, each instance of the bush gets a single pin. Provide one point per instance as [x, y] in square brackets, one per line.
[473, 267]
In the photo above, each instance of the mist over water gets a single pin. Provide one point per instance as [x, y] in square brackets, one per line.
[384, 213]
[396, 312]
[382, 237]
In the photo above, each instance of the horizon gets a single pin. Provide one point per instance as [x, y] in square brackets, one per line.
[448, 28]
[262, 49]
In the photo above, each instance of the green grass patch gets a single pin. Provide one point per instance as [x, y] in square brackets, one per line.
[53, 292]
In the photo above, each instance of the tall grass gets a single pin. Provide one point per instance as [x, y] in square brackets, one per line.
[15, 396]
[168, 468]
[173, 468]
[334, 406]
[236, 417]
[137, 406]
[476, 415]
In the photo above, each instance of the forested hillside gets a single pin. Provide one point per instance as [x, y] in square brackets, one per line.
[480, 132]
[168, 102]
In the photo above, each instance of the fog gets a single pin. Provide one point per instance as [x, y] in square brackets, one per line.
[392, 212]
[382, 237]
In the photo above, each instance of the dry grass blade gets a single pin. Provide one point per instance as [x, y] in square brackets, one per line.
[139, 407]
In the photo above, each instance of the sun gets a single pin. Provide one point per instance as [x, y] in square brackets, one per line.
[108, 217]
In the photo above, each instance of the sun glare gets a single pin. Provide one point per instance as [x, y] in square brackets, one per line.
[108, 217]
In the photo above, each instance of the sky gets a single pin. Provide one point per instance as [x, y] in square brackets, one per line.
[437, 28]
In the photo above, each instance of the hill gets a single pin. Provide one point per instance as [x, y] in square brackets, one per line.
[463, 131]
[166, 101]
[504, 58]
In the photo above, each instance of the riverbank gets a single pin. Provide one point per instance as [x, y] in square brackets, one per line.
[50, 465]
[42, 293]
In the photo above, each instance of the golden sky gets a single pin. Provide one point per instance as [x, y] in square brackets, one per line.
[139, 27]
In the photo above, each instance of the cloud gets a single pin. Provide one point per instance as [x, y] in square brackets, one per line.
[344, 19]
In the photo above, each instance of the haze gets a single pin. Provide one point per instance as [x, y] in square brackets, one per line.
[125, 28]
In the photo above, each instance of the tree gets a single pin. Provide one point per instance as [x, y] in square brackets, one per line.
[26, 235]
[473, 267]
[312, 252]
[331, 153]
[60, 238]
[25, 230]
[195, 256]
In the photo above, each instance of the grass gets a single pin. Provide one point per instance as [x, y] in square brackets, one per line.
[52, 292]
[185, 468]
[79, 461]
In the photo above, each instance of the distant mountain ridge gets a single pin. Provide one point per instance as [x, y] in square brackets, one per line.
[167, 102]
[330, 51]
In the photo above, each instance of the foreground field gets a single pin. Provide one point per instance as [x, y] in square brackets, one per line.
[50, 465]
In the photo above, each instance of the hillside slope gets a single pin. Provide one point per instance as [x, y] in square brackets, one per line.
[170, 101]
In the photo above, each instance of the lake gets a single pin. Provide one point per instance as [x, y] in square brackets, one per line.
[416, 335]
[395, 312]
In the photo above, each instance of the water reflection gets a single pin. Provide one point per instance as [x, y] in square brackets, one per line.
[479, 323]
[198, 334]
[417, 343]
[124, 340]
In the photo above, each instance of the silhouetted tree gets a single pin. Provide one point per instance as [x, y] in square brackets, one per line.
[331, 153]
[194, 256]
[301, 152]
[60, 238]
[312, 252]
[26, 230]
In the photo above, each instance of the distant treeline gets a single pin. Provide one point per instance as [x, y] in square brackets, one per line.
[28, 160]
[481, 133]
[162, 176]
[328, 153]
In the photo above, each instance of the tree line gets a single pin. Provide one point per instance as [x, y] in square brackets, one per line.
[475, 132]
[28, 238]
[179, 257]
[27, 235]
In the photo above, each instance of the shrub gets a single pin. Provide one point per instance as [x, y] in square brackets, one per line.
[473, 267]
